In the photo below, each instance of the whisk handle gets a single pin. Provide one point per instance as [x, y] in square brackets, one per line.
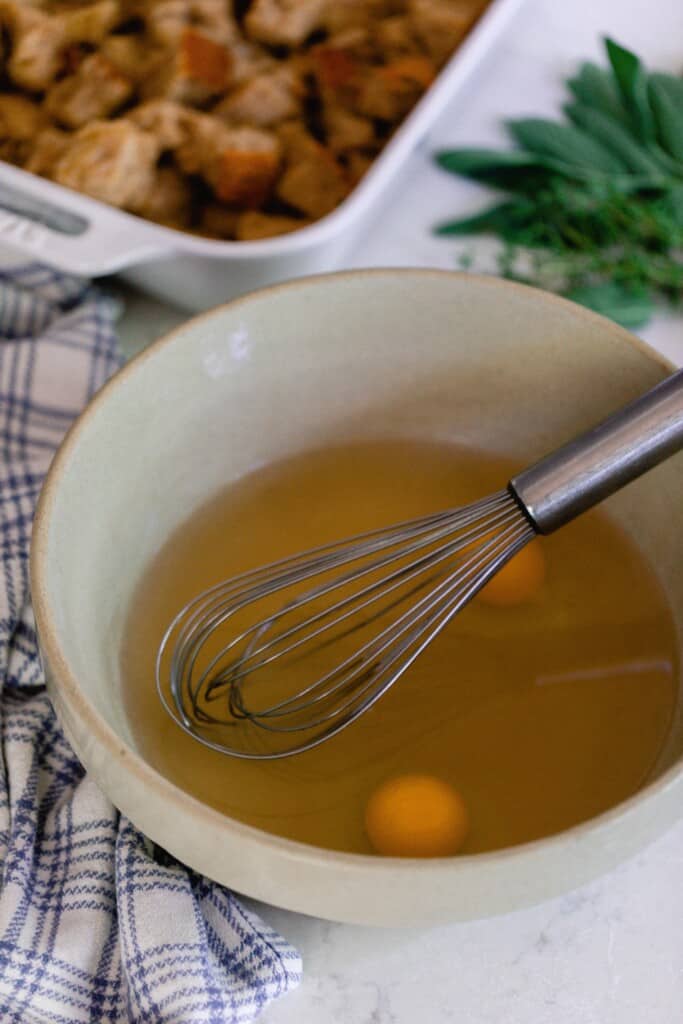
[590, 468]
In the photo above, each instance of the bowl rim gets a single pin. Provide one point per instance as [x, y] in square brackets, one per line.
[127, 757]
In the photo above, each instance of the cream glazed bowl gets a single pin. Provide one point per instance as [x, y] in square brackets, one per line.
[368, 353]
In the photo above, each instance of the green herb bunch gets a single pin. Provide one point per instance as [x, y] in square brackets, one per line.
[595, 204]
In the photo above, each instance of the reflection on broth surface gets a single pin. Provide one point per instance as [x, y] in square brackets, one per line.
[541, 709]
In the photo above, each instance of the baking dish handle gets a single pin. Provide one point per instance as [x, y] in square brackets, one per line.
[69, 231]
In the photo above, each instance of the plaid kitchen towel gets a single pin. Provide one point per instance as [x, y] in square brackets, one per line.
[93, 926]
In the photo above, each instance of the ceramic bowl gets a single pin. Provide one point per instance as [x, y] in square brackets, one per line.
[398, 352]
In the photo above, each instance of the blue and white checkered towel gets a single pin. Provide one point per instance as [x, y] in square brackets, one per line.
[93, 926]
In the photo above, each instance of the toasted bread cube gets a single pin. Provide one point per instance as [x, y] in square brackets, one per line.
[396, 37]
[245, 178]
[283, 22]
[168, 199]
[20, 118]
[168, 121]
[313, 182]
[240, 164]
[246, 169]
[48, 147]
[441, 25]
[345, 14]
[254, 225]
[93, 93]
[356, 41]
[90, 23]
[203, 138]
[167, 20]
[113, 161]
[37, 42]
[315, 187]
[205, 61]
[20, 122]
[336, 68]
[418, 69]
[216, 18]
[39, 39]
[198, 70]
[200, 136]
[357, 166]
[390, 92]
[264, 100]
[345, 131]
[132, 56]
[297, 141]
[218, 221]
[248, 61]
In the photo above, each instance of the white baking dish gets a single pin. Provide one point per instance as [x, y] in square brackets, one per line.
[83, 236]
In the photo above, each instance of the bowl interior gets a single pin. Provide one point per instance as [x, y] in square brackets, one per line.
[384, 354]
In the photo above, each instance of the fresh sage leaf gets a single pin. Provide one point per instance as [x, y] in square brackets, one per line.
[618, 140]
[510, 171]
[473, 163]
[501, 219]
[464, 160]
[564, 142]
[513, 170]
[596, 88]
[632, 82]
[666, 99]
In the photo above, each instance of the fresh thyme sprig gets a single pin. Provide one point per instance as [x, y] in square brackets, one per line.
[595, 203]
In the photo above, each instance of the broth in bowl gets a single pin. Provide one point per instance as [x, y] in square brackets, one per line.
[545, 702]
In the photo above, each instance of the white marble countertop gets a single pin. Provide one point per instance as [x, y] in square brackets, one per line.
[611, 953]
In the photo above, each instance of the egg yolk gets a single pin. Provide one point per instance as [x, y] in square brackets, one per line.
[416, 816]
[518, 581]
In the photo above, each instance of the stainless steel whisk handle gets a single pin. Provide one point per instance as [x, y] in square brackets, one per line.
[594, 465]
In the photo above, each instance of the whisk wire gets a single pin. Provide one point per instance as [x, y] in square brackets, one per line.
[358, 602]
[394, 630]
[417, 575]
[250, 587]
[442, 606]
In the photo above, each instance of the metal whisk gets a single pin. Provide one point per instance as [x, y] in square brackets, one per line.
[324, 634]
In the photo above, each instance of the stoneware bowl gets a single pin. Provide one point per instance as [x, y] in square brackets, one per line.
[378, 353]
